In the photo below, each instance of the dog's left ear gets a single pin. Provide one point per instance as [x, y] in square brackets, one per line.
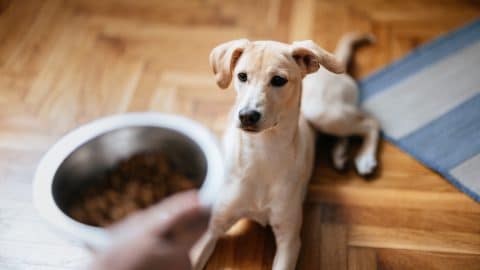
[223, 59]
[309, 56]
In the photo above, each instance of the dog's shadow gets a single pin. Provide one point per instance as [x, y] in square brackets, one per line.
[247, 245]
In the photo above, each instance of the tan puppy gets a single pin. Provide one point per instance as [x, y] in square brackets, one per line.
[269, 143]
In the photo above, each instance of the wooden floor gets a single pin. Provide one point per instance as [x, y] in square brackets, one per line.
[63, 63]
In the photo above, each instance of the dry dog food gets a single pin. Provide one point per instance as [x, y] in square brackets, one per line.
[134, 184]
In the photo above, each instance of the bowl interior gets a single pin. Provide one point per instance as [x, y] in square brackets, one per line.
[95, 157]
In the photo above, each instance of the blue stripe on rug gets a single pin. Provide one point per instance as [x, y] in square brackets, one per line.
[434, 140]
[448, 139]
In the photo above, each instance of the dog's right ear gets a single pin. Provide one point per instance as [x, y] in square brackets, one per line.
[223, 59]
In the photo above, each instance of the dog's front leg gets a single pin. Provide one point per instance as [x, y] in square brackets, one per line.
[203, 249]
[287, 237]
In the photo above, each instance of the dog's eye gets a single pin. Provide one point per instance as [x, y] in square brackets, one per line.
[242, 76]
[278, 81]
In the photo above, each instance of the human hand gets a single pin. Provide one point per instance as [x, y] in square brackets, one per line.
[159, 237]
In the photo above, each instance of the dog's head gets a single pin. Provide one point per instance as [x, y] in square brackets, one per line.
[267, 76]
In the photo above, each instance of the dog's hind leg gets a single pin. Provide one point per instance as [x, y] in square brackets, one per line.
[339, 153]
[369, 129]
[347, 121]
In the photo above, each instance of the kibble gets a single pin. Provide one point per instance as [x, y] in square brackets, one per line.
[134, 184]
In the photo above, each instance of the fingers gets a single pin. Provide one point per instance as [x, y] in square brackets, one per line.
[174, 205]
[178, 218]
[185, 228]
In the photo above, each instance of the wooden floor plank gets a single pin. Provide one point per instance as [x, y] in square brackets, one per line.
[362, 259]
[419, 219]
[334, 250]
[405, 259]
[365, 196]
[401, 238]
[311, 237]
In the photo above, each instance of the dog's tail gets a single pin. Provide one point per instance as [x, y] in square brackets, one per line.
[345, 46]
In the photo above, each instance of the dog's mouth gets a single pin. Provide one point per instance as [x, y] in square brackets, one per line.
[251, 129]
[256, 129]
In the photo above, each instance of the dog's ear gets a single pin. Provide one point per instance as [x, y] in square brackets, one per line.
[309, 56]
[223, 59]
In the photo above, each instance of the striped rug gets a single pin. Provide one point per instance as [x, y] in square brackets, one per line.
[429, 105]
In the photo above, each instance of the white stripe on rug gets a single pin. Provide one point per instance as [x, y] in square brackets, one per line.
[468, 173]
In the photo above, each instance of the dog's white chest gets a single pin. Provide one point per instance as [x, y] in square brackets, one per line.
[265, 176]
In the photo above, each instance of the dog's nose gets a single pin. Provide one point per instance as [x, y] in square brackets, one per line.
[249, 117]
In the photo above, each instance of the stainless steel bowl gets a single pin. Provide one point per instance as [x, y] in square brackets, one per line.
[90, 150]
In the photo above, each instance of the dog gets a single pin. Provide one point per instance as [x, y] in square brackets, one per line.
[270, 140]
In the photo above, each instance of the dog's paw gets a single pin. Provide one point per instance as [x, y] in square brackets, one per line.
[365, 164]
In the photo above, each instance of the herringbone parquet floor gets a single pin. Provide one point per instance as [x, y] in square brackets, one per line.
[63, 63]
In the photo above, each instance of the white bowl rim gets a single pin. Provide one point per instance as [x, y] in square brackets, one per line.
[99, 238]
